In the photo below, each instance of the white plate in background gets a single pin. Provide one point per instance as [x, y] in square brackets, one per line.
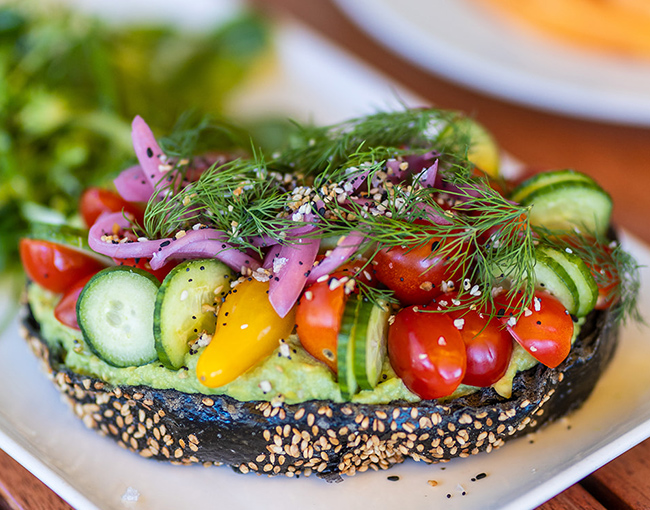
[463, 42]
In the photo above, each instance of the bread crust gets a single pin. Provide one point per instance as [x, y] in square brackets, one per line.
[321, 437]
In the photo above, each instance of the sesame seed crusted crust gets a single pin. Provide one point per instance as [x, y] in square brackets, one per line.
[325, 438]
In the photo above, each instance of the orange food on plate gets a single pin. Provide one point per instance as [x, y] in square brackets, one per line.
[615, 26]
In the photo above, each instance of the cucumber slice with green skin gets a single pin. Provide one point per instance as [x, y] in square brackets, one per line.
[370, 343]
[541, 180]
[567, 205]
[115, 315]
[345, 348]
[579, 273]
[179, 314]
[552, 277]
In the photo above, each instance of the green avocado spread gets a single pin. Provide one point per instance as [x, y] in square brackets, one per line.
[292, 378]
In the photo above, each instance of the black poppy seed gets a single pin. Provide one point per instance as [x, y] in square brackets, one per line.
[393, 478]
[306, 274]
[202, 268]
[434, 245]
[165, 243]
[463, 493]
[234, 291]
[149, 152]
[541, 284]
[539, 323]
[187, 269]
[247, 261]
[448, 496]
[196, 330]
[277, 279]
[480, 476]
[194, 317]
[153, 176]
[143, 182]
[249, 279]
[223, 246]
[472, 479]
[300, 262]
[226, 314]
[189, 280]
[224, 323]
[226, 277]
[501, 312]
[401, 279]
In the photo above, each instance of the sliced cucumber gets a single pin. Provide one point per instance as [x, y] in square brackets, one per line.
[579, 273]
[345, 348]
[565, 205]
[552, 277]
[180, 316]
[541, 180]
[370, 343]
[115, 314]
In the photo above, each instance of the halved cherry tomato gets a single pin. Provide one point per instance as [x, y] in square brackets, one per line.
[56, 267]
[96, 201]
[488, 345]
[318, 320]
[427, 352]
[544, 329]
[416, 273]
[66, 311]
[144, 264]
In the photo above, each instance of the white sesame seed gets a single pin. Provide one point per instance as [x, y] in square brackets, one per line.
[533, 348]
[442, 341]
[265, 386]
[323, 278]
[285, 350]
[244, 326]
[512, 321]
[537, 304]
[459, 323]
[184, 295]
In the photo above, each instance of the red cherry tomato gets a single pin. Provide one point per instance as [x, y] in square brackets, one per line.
[488, 345]
[144, 264]
[544, 329]
[96, 201]
[66, 310]
[416, 273]
[426, 352]
[55, 267]
[318, 320]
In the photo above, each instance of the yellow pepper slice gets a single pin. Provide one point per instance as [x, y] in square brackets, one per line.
[248, 331]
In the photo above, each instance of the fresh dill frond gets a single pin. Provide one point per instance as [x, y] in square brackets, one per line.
[313, 149]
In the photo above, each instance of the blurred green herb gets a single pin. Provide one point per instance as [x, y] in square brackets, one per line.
[70, 85]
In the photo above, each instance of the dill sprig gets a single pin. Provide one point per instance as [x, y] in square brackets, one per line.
[484, 234]
[313, 149]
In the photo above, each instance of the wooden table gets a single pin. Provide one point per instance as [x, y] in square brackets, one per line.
[617, 156]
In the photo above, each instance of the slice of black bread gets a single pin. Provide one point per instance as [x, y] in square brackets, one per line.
[327, 438]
